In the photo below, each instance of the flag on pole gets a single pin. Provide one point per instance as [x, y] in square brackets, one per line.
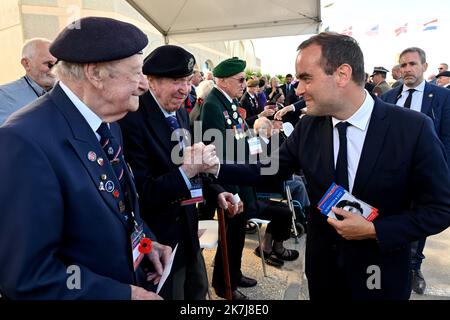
[348, 31]
[373, 31]
[402, 29]
[430, 25]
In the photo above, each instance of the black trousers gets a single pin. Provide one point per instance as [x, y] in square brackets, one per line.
[235, 229]
[280, 218]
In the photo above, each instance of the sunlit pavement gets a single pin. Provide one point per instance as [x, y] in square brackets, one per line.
[289, 282]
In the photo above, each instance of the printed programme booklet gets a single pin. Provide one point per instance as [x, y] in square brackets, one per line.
[337, 196]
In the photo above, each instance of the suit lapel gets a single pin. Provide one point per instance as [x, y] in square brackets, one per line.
[84, 142]
[157, 122]
[373, 144]
[326, 167]
[397, 93]
[427, 99]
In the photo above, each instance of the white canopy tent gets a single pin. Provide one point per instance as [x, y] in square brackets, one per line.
[193, 21]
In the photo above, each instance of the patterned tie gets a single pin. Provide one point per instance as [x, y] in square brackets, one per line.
[409, 98]
[341, 172]
[175, 125]
[114, 152]
[173, 122]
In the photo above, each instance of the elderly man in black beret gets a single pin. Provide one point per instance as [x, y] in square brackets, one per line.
[70, 221]
[155, 137]
[443, 79]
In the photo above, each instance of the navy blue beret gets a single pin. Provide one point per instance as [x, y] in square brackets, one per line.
[443, 74]
[169, 61]
[97, 39]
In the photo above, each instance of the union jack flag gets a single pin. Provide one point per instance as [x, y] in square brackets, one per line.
[402, 29]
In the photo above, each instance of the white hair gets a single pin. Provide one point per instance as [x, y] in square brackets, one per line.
[204, 88]
[70, 71]
[29, 47]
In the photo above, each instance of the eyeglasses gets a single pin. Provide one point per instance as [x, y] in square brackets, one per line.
[440, 68]
[241, 80]
[51, 65]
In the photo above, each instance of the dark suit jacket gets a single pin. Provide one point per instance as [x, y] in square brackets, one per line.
[289, 95]
[435, 104]
[53, 214]
[161, 187]
[402, 163]
[252, 110]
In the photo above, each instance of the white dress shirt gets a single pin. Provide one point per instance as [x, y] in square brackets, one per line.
[356, 134]
[416, 102]
[91, 118]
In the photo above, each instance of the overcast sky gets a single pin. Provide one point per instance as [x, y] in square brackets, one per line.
[278, 54]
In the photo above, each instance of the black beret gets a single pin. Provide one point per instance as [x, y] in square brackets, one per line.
[229, 67]
[443, 74]
[97, 39]
[169, 61]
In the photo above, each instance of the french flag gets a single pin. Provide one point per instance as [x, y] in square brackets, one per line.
[430, 25]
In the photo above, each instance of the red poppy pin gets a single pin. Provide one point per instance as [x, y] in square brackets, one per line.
[145, 246]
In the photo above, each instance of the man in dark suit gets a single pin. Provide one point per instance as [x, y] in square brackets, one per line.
[69, 222]
[288, 89]
[416, 94]
[165, 181]
[394, 162]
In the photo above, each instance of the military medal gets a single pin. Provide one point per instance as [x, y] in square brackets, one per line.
[110, 151]
[121, 206]
[229, 122]
[240, 120]
[109, 186]
[92, 156]
[101, 186]
[235, 115]
[103, 177]
[116, 193]
[236, 133]
[100, 162]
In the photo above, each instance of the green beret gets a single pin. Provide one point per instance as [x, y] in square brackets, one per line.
[229, 67]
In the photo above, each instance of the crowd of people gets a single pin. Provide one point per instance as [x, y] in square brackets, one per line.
[104, 171]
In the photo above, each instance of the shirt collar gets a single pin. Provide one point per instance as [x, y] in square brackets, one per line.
[92, 119]
[224, 93]
[35, 86]
[420, 87]
[165, 113]
[360, 119]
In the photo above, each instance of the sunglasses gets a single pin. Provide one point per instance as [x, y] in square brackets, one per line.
[51, 65]
[241, 80]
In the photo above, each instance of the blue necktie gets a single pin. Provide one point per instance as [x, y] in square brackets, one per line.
[175, 125]
[341, 172]
[173, 122]
[115, 155]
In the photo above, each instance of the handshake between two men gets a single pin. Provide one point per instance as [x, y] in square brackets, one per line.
[200, 158]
